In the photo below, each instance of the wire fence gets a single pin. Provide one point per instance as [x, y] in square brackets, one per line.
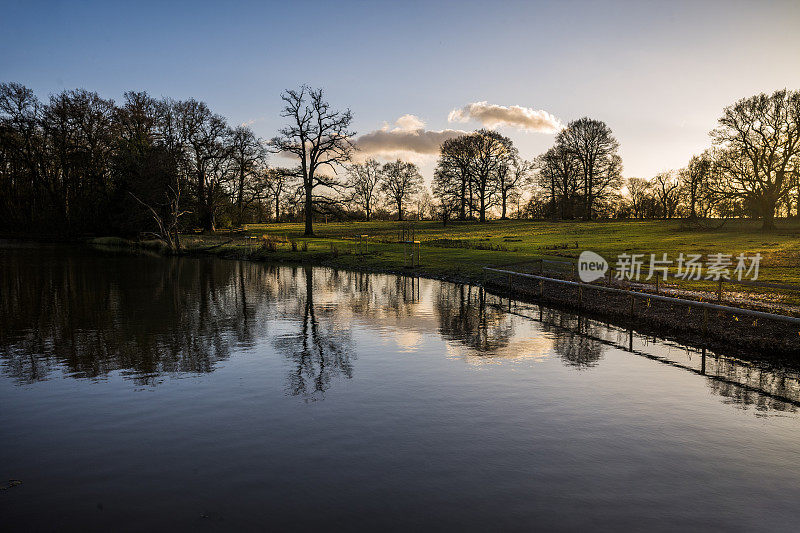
[743, 327]
[773, 297]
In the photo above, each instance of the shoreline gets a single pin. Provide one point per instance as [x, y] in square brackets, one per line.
[762, 339]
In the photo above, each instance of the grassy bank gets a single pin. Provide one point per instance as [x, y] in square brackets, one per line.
[462, 249]
[459, 251]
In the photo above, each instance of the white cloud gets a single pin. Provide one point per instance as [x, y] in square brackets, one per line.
[409, 136]
[492, 115]
[409, 122]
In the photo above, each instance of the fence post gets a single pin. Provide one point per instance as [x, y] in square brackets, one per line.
[705, 321]
[632, 300]
[719, 290]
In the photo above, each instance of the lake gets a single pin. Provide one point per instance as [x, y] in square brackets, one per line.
[140, 392]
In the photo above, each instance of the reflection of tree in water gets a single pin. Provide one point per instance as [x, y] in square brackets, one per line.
[465, 317]
[92, 315]
[571, 339]
[741, 384]
[321, 349]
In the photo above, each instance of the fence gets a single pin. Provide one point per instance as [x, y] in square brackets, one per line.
[581, 287]
[781, 386]
[569, 269]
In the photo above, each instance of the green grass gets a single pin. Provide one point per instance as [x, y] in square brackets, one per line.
[461, 249]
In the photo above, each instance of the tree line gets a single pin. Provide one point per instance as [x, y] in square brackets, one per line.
[752, 170]
[81, 164]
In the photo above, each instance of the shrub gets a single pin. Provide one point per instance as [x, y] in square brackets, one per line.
[269, 243]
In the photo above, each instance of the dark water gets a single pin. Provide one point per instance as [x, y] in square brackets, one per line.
[141, 393]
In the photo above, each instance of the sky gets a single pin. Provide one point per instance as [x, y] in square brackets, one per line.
[658, 73]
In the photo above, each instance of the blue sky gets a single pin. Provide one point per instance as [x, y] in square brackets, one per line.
[659, 73]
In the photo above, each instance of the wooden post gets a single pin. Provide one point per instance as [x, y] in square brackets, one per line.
[632, 300]
[703, 362]
[705, 320]
[719, 290]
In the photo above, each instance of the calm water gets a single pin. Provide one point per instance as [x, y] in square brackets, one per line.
[141, 393]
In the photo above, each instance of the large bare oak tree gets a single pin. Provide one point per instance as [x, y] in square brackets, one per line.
[319, 137]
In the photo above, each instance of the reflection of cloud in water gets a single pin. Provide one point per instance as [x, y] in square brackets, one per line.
[407, 340]
[520, 348]
[89, 315]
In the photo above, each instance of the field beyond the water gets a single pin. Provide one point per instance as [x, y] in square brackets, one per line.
[462, 249]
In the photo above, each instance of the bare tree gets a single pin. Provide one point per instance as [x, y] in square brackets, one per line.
[364, 180]
[558, 174]
[278, 182]
[695, 179]
[758, 156]
[247, 152]
[491, 153]
[666, 186]
[511, 176]
[209, 157]
[639, 190]
[595, 149]
[452, 177]
[319, 137]
[401, 180]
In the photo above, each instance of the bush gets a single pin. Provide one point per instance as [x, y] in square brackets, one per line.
[269, 243]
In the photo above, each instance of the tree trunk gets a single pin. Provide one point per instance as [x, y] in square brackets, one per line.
[240, 198]
[462, 214]
[309, 232]
[503, 209]
[400, 210]
[768, 216]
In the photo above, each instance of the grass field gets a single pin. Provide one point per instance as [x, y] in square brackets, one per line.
[461, 249]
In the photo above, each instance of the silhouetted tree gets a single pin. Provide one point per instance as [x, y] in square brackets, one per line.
[364, 182]
[511, 176]
[400, 181]
[319, 137]
[695, 179]
[248, 155]
[666, 187]
[639, 190]
[758, 151]
[595, 149]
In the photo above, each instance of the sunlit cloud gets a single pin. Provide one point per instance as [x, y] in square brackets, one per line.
[492, 116]
[408, 136]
